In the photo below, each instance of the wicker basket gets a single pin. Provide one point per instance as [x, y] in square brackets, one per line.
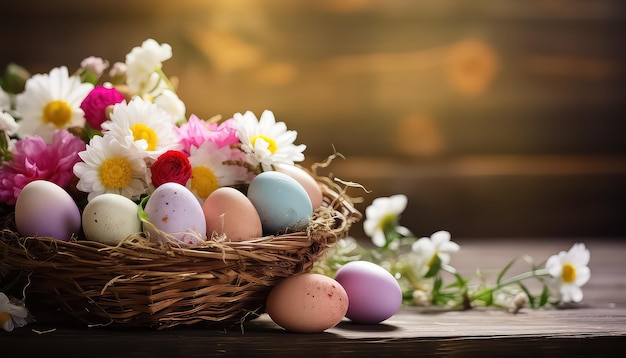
[143, 282]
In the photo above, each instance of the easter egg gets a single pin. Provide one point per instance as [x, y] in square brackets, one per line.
[307, 303]
[229, 212]
[305, 179]
[174, 209]
[374, 294]
[45, 209]
[282, 203]
[110, 218]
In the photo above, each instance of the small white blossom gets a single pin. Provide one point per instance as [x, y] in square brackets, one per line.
[571, 270]
[383, 214]
[437, 245]
[12, 314]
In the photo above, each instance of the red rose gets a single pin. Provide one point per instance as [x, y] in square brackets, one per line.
[171, 166]
[96, 102]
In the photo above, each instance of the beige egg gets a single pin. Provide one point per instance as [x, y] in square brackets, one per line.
[228, 211]
[110, 218]
[307, 303]
[305, 179]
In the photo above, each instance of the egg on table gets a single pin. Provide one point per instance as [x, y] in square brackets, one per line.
[45, 209]
[229, 212]
[307, 303]
[174, 209]
[110, 218]
[282, 203]
[374, 294]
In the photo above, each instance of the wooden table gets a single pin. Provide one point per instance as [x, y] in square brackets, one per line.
[596, 327]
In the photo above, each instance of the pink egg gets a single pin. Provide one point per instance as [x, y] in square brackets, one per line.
[228, 211]
[374, 294]
[305, 179]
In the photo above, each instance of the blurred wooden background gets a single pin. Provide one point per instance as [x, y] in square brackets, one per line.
[497, 118]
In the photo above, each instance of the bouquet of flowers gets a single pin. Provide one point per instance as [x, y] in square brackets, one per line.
[129, 133]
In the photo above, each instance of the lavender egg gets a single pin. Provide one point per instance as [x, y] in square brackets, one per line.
[374, 295]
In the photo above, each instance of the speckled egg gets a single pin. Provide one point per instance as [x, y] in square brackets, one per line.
[307, 303]
[229, 212]
[174, 209]
[45, 209]
[282, 203]
[374, 294]
[110, 218]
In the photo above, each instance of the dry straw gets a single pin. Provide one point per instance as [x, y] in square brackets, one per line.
[149, 281]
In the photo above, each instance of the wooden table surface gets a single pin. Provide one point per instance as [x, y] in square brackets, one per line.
[596, 327]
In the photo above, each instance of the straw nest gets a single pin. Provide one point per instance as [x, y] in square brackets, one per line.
[154, 281]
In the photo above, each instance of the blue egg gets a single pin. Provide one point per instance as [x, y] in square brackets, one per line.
[281, 202]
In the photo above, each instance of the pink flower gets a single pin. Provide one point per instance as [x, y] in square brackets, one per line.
[197, 131]
[96, 103]
[35, 159]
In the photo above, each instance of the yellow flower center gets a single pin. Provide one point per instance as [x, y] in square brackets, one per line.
[115, 173]
[57, 112]
[142, 131]
[4, 318]
[568, 273]
[271, 143]
[203, 181]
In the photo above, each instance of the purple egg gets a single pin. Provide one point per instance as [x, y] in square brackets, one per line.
[374, 295]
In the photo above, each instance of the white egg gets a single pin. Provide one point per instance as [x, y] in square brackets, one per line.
[110, 218]
[174, 209]
[47, 210]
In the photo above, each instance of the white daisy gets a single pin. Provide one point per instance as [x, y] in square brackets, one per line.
[267, 142]
[143, 64]
[382, 217]
[111, 166]
[208, 170]
[49, 102]
[12, 314]
[571, 270]
[145, 124]
[437, 245]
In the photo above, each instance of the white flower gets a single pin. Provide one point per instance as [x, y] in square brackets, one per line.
[111, 166]
[208, 170]
[571, 269]
[383, 215]
[49, 102]
[142, 64]
[267, 142]
[11, 314]
[438, 245]
[145, 124]
[95, 65]
[172, 104]
[7, 123]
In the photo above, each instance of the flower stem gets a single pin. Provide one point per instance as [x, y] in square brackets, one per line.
[513, 280]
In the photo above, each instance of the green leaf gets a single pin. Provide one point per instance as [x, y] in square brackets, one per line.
[545, 295]
[485, 296]
[504, 270]
[435, 266]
